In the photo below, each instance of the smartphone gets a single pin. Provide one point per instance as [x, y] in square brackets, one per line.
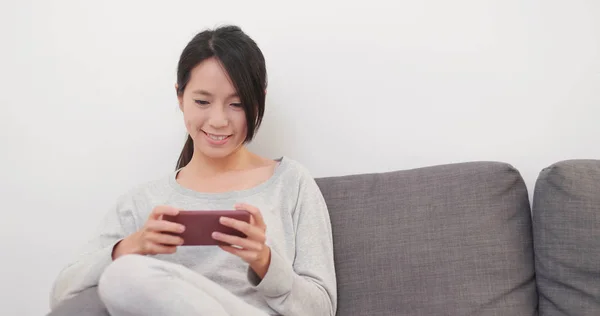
[199, 225]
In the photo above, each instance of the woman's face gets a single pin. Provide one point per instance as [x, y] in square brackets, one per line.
[212, 112]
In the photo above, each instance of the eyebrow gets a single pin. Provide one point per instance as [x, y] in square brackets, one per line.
[208, 94]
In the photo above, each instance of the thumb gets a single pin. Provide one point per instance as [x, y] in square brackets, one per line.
[161, 210]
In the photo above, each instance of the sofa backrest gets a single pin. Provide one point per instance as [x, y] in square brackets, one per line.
[566, 227]
[443, 240]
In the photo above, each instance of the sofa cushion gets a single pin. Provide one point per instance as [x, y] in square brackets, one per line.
[443, 240]
[566, 222]
[85, 303]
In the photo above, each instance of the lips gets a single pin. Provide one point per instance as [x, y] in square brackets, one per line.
[216, 139]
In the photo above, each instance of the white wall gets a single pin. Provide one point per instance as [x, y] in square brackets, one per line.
[88, 106]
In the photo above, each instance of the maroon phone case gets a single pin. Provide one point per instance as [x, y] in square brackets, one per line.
[199, 225]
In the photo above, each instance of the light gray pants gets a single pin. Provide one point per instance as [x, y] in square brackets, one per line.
[136, 285]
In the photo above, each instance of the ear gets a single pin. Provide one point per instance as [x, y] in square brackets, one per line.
[179, 97]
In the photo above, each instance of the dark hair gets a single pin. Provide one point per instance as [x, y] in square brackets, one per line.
[244, 63]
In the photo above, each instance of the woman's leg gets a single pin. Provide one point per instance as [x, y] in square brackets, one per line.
[136, 285]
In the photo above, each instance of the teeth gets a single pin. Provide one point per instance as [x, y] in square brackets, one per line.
[215, 137]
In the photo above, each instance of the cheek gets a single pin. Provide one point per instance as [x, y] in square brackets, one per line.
[187, 118]
[240, 123]
[193, 123]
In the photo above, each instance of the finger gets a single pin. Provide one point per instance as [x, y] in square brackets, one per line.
[161, 210]
[164, 239]
[254, 211]
[246, 255]
[249, 230]
[156, 249]
[165, 226]
[245, 243]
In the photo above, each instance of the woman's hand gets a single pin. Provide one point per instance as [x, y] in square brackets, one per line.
[154, 238]
[252, 249]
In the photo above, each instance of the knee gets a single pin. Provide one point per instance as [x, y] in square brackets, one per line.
[122, 282]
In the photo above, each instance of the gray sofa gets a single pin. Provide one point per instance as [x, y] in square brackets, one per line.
[459, 239]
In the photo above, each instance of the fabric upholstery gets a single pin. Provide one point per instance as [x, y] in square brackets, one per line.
[566, 222]
[87, 303]
[442, 240]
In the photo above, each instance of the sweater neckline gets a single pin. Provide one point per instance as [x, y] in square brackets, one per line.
[279, 168]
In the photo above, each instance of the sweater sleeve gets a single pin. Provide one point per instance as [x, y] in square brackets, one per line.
[306, 286]
[85, 271]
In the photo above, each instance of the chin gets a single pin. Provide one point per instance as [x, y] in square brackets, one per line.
[217, 153]
[213, 151]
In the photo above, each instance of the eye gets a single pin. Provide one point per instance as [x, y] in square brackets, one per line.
[201, 102]
[236, 105]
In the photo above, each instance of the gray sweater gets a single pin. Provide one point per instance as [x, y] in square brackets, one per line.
[301, 277]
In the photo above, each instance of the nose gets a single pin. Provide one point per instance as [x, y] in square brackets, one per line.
[218, 117]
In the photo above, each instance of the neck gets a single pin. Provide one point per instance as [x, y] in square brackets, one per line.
[206, 166]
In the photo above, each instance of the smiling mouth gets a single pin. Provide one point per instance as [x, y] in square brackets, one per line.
[216, 137]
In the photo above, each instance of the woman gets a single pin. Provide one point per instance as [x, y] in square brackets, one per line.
[284, 266]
